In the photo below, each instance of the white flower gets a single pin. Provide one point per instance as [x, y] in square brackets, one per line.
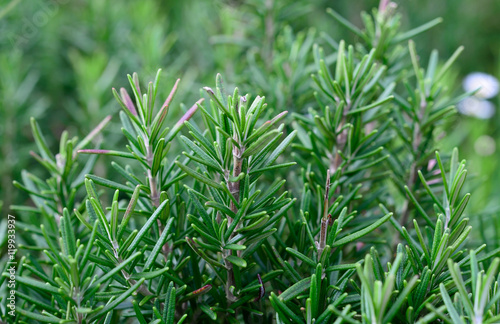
[487, 84]
[485, 145]
[472, 106]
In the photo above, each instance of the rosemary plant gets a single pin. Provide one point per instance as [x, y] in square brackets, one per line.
[344, 211]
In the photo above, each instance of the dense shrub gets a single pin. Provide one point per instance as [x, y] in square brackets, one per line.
[325, 202]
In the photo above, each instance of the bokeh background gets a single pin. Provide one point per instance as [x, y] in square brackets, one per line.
[60, 58]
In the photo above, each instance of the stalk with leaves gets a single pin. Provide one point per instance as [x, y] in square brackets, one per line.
[235, 213]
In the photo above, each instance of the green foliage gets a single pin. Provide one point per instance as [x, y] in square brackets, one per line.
[480, 306]
[232, 154]
[342, 212]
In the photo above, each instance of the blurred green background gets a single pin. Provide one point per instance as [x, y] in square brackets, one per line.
[60, 58]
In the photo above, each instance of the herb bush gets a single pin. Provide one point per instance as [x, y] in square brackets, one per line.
[340, 210]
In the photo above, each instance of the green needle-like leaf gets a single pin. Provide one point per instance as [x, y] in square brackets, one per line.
[144, 229]
[355, 236]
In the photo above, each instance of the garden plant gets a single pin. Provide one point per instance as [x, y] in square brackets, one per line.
[314, 192]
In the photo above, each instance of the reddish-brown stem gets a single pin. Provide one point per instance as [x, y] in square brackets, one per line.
[340, 142]
[325, 218]
[412, 177]
[234, 187]
[155, 193]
